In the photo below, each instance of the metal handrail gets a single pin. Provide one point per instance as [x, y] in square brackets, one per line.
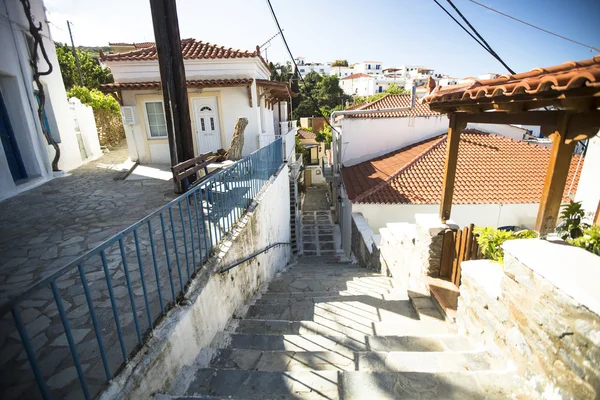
[251, 256]
[216, 205]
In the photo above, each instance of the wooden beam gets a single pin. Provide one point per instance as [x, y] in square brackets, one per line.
[556, 177]
[452, 143]
[597, 216]
[520, 118]
[250, 95]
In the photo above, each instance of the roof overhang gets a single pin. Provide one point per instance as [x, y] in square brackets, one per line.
[276, 90]
[156, 85]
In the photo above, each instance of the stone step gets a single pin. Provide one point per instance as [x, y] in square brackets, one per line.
[308, 296]
[251, 341]
[382, 361]
[374, 285]
[345, 312]
[351, 385]
[333, 328]
[425, 307]
[299, 274]
[359, 385]
[328, 298]
[240, 384]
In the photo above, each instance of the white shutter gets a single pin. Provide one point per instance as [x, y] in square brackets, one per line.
[128, 116]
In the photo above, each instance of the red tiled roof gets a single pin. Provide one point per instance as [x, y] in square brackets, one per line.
[304, 134]
[491, 169]
[394, 101]
[355, 76]
[537, 83]
[136, 45]
[191, 49]
[194, 83]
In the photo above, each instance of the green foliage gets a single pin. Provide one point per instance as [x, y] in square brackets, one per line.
[281, 72]
[324, 90]
[490, 240]
[324, 135]
[572, 225]
[340, 63]
[392, 89]
[300, 149]
[590, 240]
[92, 72]
[95, 98]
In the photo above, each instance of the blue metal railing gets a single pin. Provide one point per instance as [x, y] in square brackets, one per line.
[131, 280]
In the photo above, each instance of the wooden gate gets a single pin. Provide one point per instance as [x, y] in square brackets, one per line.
[457, 246]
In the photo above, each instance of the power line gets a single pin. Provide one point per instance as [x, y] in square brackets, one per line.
[316, 105]
[536, 27]
[492, 52]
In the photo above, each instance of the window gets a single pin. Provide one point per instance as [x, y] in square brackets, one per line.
[302, 70]
[378, 66]
[369, 66]
[155, 116]
[380, 89]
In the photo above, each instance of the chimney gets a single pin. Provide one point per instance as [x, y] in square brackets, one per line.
[430, 84]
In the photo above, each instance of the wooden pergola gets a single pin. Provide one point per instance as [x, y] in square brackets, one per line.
[563, 100]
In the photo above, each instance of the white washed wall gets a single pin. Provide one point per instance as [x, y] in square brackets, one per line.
[495, 215]
[588, 190]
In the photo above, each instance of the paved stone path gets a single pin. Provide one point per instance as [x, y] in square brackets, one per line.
[327, 330]
[317, 223]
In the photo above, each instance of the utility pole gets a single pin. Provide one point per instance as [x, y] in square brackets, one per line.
[172, 76]
[75, 54]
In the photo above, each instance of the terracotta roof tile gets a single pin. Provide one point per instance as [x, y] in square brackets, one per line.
[191, 49]
[546, 81]
[491, 169]
[395, 101]
[356, 76]
[193, 83]
[304, 134]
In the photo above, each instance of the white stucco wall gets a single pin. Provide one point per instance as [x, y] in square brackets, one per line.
[509, 131]
[232, 103]
[366, 138]
[18, 92]
[588, 190]
[495, 215]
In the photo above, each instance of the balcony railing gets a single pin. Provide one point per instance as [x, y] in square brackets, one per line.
[124, 286]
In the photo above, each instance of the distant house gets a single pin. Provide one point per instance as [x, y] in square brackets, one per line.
[359, 84]
[224, 84]
[499, 182]
[25, 154]
[316, 152]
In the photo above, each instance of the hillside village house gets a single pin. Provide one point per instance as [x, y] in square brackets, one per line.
[25, 155]
[313, 173]
[493, 187]
[224, 84]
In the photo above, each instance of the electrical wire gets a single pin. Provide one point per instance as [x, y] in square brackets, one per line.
[492, 52]
[316, 105]
[461, 25]
[536, 27]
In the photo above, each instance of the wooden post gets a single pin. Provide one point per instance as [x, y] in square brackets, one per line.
[172, 76]
[597, 216]
[556, 177]
[450, 169]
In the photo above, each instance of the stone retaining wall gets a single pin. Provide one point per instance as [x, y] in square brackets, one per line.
[363, 245]
[521, 312]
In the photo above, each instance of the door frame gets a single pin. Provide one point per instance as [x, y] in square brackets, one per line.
[20, 172]
[217, 101]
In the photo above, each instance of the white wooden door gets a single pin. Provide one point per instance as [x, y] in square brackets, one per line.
[208, 131]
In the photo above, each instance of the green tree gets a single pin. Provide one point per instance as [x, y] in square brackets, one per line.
[340, 63]
[392, 89]
[92, 72]
[281, 72]
[319, 93]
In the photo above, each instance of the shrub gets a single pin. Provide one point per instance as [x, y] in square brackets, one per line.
[572, 225]
[107, 114]
[490, 240]
[590, 240]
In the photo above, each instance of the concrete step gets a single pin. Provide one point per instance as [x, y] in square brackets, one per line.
[310, 296]
[350, 312]
[344, 344]
[297, 273]
[240, 384]
[327, 298]
[359, 385]
[382, 361]
[333, 328]
[373, 285]
[351, 385]
[425, 307]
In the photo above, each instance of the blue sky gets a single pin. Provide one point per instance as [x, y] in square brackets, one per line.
[392, 31]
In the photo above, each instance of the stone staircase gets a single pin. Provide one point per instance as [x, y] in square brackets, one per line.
[293, 225]
[326, 330]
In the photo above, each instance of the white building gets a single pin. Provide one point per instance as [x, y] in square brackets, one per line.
[221, 89]
[358, 84]
[368, 67]
[25, 155]
[498, 183]
[340, 71]
[305, 68]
